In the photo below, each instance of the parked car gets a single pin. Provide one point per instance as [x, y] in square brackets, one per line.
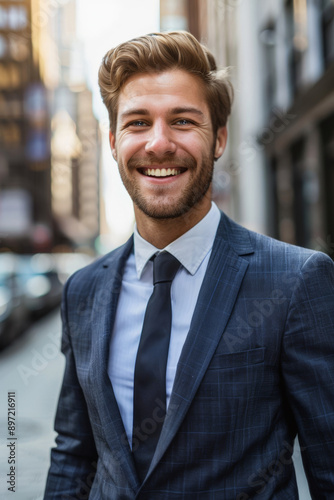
[40, 283]
[14, 317]
[31, 286]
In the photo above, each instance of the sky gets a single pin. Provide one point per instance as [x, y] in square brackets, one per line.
[102, 25]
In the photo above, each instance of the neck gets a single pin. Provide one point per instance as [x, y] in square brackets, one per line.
[161, 232]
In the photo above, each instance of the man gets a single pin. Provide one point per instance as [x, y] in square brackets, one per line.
[249, 321]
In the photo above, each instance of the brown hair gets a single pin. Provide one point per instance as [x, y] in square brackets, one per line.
[159, 52]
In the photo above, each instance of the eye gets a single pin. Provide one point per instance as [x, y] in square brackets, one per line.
[183, 121]
[137, 123]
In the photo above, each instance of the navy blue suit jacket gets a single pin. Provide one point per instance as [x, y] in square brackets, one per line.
[257, 367]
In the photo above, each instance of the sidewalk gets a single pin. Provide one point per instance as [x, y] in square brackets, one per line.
[32, 368]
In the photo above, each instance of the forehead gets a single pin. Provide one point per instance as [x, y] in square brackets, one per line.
[173, 87]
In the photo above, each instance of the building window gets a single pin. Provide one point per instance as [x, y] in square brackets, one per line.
[268, 40]
[327, 8]
[3, 46]
[296, 41]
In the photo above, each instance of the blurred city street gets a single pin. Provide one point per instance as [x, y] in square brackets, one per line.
[62, 200]
[32, 367]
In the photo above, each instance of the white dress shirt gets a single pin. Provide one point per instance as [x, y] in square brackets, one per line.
[193, 250]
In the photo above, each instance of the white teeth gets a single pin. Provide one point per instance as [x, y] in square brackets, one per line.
[161, 172]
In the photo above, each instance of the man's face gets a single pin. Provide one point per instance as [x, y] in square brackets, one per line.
[164, 144]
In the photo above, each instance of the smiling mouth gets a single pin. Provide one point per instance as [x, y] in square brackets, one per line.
[162, 172]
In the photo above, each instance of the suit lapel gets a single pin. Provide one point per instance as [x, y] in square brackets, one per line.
[106, 403]
[217, 297]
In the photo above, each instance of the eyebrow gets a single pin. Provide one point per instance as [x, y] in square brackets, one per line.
[172, 111]
[180, 110]
[131, 112]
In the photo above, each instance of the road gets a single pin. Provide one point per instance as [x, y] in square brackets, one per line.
[33, 368]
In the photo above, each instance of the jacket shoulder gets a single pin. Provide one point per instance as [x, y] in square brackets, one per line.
[266, 248]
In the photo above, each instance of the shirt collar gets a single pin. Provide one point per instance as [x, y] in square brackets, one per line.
[190, 249]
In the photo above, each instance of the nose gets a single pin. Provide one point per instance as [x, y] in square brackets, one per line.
[160, 141]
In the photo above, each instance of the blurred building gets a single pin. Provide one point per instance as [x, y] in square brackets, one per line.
[296, 41]
[75, 139]
[277, 176]
[25, 201]
[174, 15]
[49, 137]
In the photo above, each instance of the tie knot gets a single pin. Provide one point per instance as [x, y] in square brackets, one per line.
[165, 267]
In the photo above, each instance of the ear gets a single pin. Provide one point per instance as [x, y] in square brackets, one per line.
[112, 141]
[221, 140]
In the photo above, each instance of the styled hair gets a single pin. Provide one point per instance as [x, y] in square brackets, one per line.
[158, 52]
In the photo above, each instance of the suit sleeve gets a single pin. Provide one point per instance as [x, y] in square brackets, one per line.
[308, 370]
[74, 459]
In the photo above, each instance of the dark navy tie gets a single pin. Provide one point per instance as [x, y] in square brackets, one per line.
[149, 400]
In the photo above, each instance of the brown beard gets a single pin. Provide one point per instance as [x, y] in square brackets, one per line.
[190, 196]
